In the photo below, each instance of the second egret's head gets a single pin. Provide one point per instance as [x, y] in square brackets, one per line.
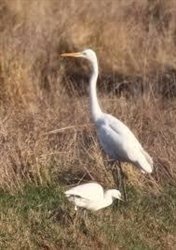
[116, 194]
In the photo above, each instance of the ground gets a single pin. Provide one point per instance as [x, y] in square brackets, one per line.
[48, 140]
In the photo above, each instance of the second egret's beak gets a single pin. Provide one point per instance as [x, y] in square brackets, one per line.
[75, 54]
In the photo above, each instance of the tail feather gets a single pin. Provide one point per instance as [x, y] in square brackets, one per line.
[145, 162]
[148, 158]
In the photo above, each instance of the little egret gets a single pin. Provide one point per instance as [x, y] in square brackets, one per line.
[115, 137]
[92, 196]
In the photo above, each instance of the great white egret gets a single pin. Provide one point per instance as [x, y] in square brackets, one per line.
[92, 196]
[115, 137]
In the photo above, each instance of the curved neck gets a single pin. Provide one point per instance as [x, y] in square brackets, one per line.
[108, 195]
[95, 107]
[107, 200]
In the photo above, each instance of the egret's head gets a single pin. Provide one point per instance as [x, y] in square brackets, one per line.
[89, 54]
[116, 194]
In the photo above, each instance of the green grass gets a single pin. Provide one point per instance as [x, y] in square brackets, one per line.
[147, 220]
[41, 218]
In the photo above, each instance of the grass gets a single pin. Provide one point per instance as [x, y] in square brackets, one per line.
[47, 139]
[41, 218]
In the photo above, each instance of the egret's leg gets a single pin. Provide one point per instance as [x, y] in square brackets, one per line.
[119, 176]
[122, 185]
[76, 219]
[83, 221]
[116, 177]
[115, 173]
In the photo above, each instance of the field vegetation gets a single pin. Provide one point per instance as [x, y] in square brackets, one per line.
[48, 140]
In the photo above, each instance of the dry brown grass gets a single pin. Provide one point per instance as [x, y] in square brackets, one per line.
[135, 42]
[47, 138]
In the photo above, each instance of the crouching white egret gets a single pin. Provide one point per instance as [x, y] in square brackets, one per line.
[115, 137]
[92, 196]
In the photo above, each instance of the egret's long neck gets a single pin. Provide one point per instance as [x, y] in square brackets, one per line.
[107, 200]
[108, 195]
[95, 107]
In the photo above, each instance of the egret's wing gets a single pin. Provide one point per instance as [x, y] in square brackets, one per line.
[121, 144]
[120, 128]
[78, 200]
[73, 197]
[90, 191]
[117, 139]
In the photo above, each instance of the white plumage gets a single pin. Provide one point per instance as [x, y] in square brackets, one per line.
[121, 144]
[92, 196]
[115, 137]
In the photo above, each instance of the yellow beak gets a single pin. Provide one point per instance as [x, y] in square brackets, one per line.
[75, 54]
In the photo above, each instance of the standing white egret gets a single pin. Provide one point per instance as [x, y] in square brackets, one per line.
[115, 137]
[92, 196]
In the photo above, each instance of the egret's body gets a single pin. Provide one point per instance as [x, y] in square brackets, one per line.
[115, 137]
[121, 144]
[92, 196]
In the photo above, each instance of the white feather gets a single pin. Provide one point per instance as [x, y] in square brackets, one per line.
[92, 196]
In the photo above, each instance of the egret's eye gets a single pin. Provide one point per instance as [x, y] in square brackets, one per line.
[84, 53]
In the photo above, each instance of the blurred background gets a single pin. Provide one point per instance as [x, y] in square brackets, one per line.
[46, 133]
